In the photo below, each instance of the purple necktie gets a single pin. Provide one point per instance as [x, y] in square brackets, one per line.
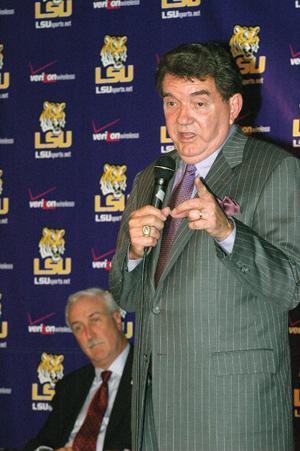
[86, 437]
[183, 191]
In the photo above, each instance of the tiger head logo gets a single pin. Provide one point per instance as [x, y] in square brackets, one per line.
[244, 41]
[50, 368]
[1, 55]
[1, 181]
[53, 117]
[52, 244]
[114, 51]
[113, 180]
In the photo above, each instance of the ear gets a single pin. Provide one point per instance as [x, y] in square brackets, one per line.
[235, 103]
[118, 319]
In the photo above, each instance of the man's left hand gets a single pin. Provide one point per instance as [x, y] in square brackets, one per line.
[204, 213]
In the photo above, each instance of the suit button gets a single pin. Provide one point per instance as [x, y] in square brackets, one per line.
[156, 310]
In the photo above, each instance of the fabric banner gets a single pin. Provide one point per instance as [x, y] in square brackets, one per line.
[79, 118]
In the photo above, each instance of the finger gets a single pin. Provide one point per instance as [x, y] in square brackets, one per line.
[182, 210]
[166, 211]
[140, 222]
[148, 210]
[200, 186]
[196, 215]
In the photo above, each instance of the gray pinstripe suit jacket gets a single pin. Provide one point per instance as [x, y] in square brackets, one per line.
[216, 325]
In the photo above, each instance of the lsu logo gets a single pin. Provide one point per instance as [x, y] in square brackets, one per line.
[52, 122]
[296, 133]
[4, 202]
[52, 244]
[3, 324]
[244, 43]
[52, 9]
[114, 51]
[52, 248]
[166, 143]
[113, 185]
[50, 370]
[113, 57]
[171, 9]
[53, 117]
[296, 402]
[179, 3]
[113, 180]
[4, 77]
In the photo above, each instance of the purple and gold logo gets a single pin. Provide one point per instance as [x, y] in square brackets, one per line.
[180, 9]
[52, 122]
[52, 261]
[52, 13]
[166, 143]
[244, 44]
[115, 71]
[50, 370]
[296, 133]
[4, 76]
[113, 184]
[4, 202]
[3, 327]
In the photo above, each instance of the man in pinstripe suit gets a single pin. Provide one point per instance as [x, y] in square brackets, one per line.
[212, 365]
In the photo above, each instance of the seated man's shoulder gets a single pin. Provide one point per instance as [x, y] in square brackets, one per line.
[86, 371]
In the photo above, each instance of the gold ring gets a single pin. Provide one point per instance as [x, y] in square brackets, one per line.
[146, 229]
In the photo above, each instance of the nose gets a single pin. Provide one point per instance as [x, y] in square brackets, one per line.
[184, 115]
[88, 332]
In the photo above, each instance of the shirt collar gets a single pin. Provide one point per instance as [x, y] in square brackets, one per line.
[204, 166]
[117, 365]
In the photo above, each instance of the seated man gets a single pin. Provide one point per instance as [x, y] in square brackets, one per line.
[101, 389]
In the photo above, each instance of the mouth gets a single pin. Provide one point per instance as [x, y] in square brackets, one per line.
[92, 343]
[186, 136]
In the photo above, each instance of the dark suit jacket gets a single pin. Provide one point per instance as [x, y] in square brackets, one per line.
[70, 395]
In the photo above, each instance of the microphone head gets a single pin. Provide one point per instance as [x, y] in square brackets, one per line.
[164, 168]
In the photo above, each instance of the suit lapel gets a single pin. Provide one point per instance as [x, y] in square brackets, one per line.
[218, 179]
[80, 390]
[121, 407]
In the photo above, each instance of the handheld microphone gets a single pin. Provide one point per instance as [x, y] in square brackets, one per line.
[163, 172]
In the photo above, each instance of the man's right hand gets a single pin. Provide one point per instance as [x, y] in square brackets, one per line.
[145, 216]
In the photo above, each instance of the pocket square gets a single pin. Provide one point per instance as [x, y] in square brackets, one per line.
[230, 206]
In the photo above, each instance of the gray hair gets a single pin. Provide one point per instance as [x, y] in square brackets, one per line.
[102, 295]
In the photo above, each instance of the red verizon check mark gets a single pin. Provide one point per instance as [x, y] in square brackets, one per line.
[98, 257]
[294, 54]
[39, 320]
[110, 124]
[39, 69]
[38, 196]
